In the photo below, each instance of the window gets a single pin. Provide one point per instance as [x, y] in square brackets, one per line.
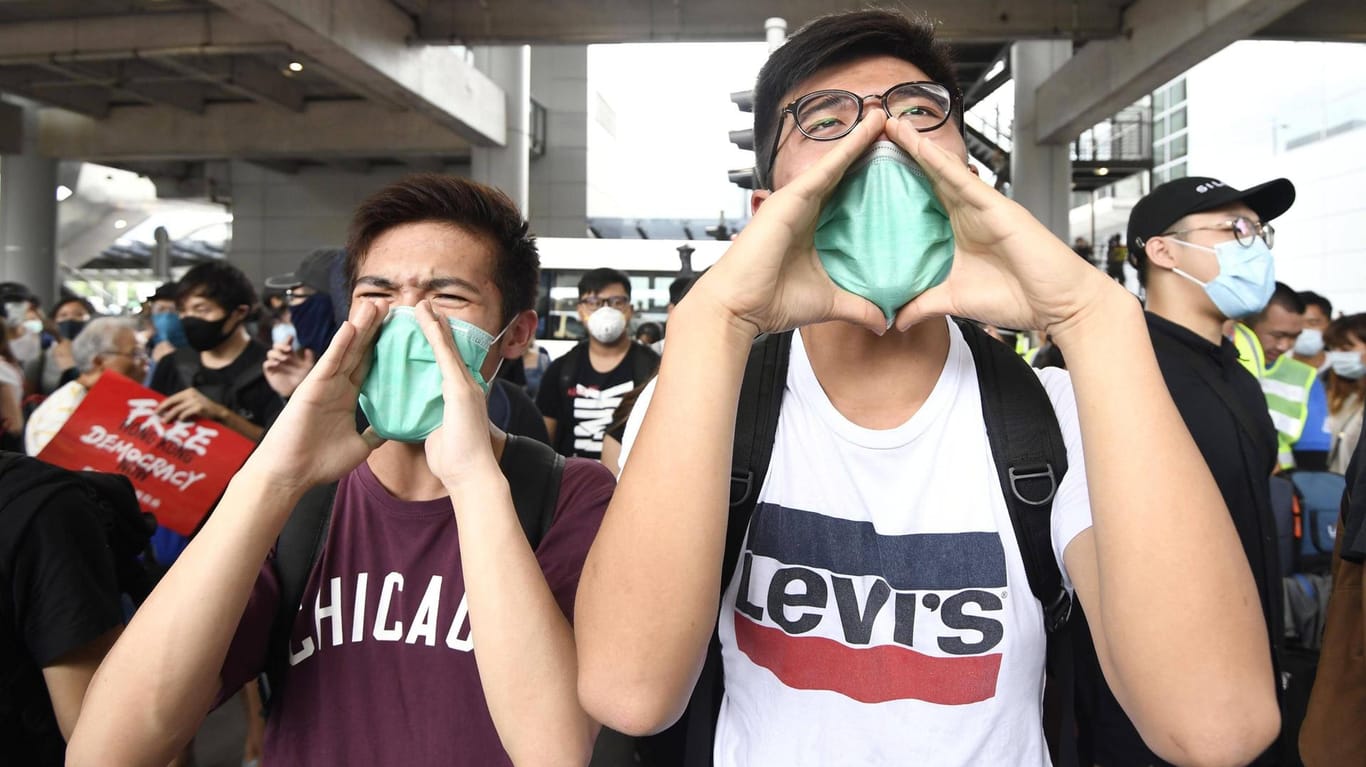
[1159, 129]
[1160, 101]
[1178, 120]
[1178, 91]
[1178, 147]
[1177, 171]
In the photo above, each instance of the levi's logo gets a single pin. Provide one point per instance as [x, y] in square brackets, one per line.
[829, 604]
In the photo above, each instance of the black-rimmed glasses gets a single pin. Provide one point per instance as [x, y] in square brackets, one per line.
[831, 114]
[1245, 231]
[616, 302]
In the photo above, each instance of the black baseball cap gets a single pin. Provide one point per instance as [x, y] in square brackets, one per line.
[315, 271]
[1170, 202]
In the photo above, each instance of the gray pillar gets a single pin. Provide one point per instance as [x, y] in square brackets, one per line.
[28, 212]
[506, 167]
[558, 197]
[1040, 174]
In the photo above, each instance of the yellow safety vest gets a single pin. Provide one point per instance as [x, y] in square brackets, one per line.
[1286, 385]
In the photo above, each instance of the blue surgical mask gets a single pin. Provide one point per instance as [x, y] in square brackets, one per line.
[883, 234]
[169, 329]
[1346, 364]
[1246, 280]
[401, 396]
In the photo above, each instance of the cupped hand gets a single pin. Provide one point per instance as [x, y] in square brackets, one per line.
[285, 368]
[459, 450]
[771, 277]
[314, 440]
[1009, 270]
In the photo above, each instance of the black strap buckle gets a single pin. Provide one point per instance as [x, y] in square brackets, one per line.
[1055, 615]
[1022, 475]
[741, 485]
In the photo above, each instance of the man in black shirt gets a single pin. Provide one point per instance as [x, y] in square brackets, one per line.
[219, 375]
[1202, 251]
[582, 389]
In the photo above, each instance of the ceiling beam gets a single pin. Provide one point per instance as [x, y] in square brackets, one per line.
[110, 34]
[1163, 38]
[246, 77]
[1338, 21]
[325, 129]
[365, 43]
[613, 21]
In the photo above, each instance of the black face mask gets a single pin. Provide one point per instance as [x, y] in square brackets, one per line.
[71, 328]
[203, 335]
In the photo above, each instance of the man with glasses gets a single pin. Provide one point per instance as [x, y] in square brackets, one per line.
[1202, 249]
[580, 390]
[105, 343]
[879, 609]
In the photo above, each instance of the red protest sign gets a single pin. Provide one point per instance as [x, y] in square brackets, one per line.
[178, 468]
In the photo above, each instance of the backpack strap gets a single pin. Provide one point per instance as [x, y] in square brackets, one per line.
[756, 426]
[533, 470]
[1031, 460]
[569, 369]
[644, 364]
[296, 550]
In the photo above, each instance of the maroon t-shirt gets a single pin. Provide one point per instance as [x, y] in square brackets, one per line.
[382, 663]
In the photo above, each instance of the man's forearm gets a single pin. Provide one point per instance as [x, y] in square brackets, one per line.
[1167, 560]
[661, 540]
[241, 425]
[523, 643]
[155, 686]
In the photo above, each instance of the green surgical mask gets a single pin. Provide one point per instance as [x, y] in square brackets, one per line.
[883, 235]
[401, 396]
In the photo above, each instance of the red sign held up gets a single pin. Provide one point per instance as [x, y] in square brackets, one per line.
[178, 468]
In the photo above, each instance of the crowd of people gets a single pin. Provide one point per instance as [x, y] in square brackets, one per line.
[834, 523]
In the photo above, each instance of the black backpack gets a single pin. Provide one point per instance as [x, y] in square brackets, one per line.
[188, 367]
[1031, 460]
[533, 471]
[27, 485]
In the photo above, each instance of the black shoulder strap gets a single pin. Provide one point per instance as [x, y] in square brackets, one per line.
[1031, 460]
[533, 470]
[186, 364]
[756, 426]
[298, 547]
[569, 369]
[644, 364]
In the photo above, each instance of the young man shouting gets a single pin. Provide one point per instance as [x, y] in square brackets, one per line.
[429, 632]
[879, 612]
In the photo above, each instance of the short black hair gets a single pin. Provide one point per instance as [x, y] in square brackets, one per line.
[595, 280]
[73, 299]
[443, 199]
[836, 39]
[651, 330]
[1310, 298]
[1286, 298]
[218, 281]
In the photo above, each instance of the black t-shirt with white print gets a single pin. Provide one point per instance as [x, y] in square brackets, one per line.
[583, 406]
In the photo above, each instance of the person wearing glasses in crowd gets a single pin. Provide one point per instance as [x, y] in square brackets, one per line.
[105, 343]
[843, 633]
[1202, 249]
[580, 390]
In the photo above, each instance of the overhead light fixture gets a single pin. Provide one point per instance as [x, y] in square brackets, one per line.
[295, 66]
[1102, 171]
[996, 69]
[63, 192]
[120, 224]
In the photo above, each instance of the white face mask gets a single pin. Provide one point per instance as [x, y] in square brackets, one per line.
[1347, 364]
[606, 325]
[1309, 343]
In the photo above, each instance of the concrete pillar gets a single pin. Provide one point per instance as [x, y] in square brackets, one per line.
[28, 212]
[1040, 174]
[558, 196]
[507, 167]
